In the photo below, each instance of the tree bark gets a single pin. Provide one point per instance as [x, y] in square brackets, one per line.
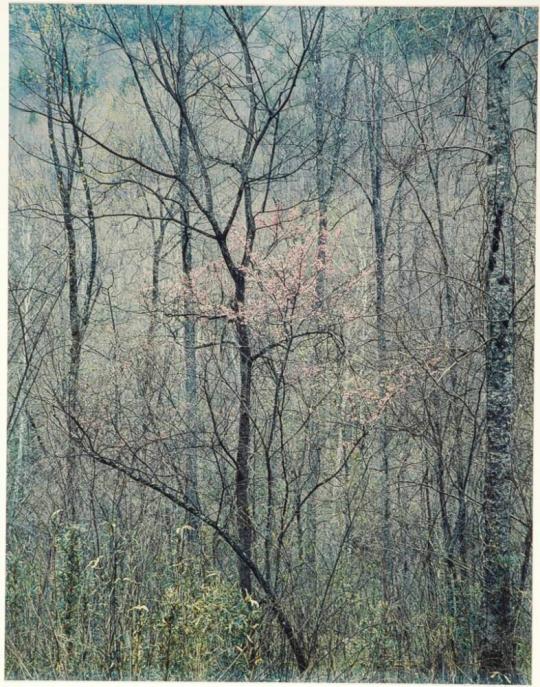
[374, 119]
[190, 333]
[497, 649]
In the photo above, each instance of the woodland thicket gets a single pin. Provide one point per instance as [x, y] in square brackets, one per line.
[270, 343]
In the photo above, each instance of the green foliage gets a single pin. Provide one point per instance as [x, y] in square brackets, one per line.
[40, 26]
[99, 619]
[68, 578]
[207, 631]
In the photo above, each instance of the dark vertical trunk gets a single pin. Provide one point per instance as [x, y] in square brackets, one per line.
[64, 191]
[190, 333]
[322, 181]
[190, 341]
[245, 529]
[269, 525]
[157, 241]
[453, 537]
[114, 645]
[242, 477]
[68, 160]
[74, 366]
[327, 157]
[374, 118]
[399, 237]
[315, 449]
[497, 650]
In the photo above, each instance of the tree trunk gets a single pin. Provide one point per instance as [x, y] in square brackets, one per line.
[64, 191]
[374, 118]
[245, 531]
[497, 650]
[190, 333]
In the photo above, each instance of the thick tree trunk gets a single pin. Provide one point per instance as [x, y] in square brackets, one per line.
[497, 650]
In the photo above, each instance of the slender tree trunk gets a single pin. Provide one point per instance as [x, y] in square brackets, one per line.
[327, 159]
[71, 402]
[497, 650]
[316, 439]
[242, 478]
[190, 333]
[14, 494]
[190, 354]
[244, 524]
[374, 118]
[67, 158]
[64, 190]
[157, 245]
